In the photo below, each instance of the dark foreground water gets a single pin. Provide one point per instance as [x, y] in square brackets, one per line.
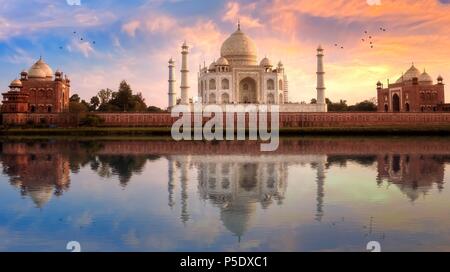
[312, 194]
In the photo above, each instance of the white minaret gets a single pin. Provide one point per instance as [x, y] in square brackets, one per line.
[184, 75]
[320, 77]
[172, 94]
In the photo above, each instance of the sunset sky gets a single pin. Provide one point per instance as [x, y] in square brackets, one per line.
[135, 39]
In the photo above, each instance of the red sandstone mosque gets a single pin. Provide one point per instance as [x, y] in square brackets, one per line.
[38, 90]
[412, 92]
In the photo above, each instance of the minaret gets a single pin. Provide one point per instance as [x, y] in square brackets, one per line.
[172, 94]
[320, 77]
[184, 74]
[286, 89]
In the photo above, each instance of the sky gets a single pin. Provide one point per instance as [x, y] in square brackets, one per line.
[135, 39]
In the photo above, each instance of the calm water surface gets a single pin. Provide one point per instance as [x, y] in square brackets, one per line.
[313, 194]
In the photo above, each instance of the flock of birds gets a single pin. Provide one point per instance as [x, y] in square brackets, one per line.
[367, 38]
[79, 38]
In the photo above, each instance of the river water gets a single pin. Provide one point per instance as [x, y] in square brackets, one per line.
[313, 194]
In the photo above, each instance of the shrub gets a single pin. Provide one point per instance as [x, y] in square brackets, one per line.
[91, 121]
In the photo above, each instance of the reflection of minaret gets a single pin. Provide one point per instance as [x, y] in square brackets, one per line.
[184, 193]
[320, 190]
[171, 184]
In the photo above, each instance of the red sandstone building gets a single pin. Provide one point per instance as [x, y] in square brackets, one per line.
[38, 91]
[413, 92]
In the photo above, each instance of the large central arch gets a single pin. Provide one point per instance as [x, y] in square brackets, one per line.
[396, 103]
[248, 91]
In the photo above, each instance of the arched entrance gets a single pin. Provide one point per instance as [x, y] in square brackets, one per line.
[395, 103]
[247, 91]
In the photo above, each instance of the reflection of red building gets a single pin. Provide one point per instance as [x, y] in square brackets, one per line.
[38, 91]
[414, 174]
[39, 171]
[413, 92]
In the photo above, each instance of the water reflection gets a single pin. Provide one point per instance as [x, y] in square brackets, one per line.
[235, 179]
[414, 174]
[39, 171]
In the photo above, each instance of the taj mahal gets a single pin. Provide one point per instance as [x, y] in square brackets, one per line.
[237, 77]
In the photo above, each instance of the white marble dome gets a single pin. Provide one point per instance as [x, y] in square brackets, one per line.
[222, 62]
[409, 75]
[265, 62]
[425, 77]
[15, 84]
[212, 66]
[239, 48]
[40, 70]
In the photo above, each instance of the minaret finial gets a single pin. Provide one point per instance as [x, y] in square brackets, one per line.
[239, 24]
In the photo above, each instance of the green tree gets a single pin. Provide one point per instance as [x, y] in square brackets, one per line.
[154, 109]
[124, 100]
[365, 105]
[75, 107]
[105, 96]
[124, 97]
[95, 102]
[337, 107]
[75, 98]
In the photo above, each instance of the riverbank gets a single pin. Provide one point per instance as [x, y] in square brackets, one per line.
[166, 131]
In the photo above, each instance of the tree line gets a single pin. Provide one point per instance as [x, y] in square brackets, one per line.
[341, 106]
[107, 100]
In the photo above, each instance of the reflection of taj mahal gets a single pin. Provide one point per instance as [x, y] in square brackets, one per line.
[238, 78]
[238, 184]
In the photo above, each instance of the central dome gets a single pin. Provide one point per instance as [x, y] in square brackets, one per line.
[239, 49]
[413, 72]
[40, 70]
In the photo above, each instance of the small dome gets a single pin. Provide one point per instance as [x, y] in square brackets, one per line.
[266, 62]
[222, 62]
[24, 73]
[15, 84]
[425, 77]
[212, 67]
[40, 70]
[410, 74]
[440, 78]
[58, 72]
[280, 64]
